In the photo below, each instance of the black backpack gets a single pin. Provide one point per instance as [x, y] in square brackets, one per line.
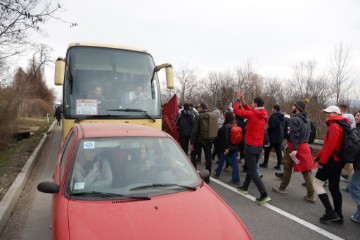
[312, 132]
[350, 147]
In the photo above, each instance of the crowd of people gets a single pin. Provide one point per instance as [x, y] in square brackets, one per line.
[290, 136]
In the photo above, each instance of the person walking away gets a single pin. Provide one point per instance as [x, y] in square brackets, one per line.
[329, 166]
[216, 142]
[227, 149]
[57, 115]
[354, 185]
[298, 154]
[185, 121]
[256, 116]
[198, 143]
[195, 112]
[348, 169]
[276, 125]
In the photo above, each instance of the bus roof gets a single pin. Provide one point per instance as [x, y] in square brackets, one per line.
[105, 45]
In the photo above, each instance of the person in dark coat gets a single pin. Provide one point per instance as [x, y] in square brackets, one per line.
[227, 149]
[275, 130]
[185, 122]
[57, 115]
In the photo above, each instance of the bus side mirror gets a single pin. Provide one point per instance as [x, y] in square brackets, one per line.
[169, 71]
[59, 71]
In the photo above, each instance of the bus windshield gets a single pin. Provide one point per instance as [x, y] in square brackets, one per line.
[106, 81]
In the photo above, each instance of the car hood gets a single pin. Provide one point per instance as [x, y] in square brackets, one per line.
[199, 214]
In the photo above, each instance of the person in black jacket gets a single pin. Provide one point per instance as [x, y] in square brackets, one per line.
[227, 149]
[276, 125]
[57, 115]
[185, 122]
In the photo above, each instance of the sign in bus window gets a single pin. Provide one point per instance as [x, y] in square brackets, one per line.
[86, 107]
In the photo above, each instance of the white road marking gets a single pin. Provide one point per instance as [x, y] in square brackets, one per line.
[282, 212]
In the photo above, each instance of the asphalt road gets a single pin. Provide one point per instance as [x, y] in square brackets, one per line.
[285, 217]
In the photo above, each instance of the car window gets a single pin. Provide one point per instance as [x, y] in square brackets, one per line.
[65, 156]
[122, 165]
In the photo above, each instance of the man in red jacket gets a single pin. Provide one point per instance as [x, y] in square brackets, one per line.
[330, 165]
[256, 116]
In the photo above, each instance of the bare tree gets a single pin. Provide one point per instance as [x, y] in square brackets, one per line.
[340, 72]
[17, 18]
[187, 78]
[248, 81]
[219, 89]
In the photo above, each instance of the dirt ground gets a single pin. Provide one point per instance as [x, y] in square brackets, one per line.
[16, 162]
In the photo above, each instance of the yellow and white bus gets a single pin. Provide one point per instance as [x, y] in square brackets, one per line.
[107, 83]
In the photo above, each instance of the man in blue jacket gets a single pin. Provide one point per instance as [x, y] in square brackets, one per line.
[275, 130]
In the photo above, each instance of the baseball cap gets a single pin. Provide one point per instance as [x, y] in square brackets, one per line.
[332, 109]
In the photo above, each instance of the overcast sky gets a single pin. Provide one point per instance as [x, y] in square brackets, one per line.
[215, 35]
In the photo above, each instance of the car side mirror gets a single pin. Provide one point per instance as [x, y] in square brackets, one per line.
[204, 173]
[48, 187]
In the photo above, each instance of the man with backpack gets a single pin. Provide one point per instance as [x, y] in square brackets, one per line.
[203, 132]
[229, 136]
[329, 166]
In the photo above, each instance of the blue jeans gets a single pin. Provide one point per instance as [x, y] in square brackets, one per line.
[354, 189]
[235, 166]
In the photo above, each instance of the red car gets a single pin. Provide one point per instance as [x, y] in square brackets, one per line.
[124, 181]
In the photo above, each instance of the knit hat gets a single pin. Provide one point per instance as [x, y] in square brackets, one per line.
[301, 105]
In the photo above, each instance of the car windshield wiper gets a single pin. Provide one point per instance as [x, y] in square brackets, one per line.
[155, 185]
[133, 110]
[107, 194]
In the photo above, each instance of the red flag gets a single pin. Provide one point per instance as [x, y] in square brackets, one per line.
[170, 112]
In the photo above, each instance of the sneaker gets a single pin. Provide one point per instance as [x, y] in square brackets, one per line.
[329, 216]
[215, 176]
[340, 221]
[242, 190]
[279, 175]
[354, 219]
[236, 184]
[263, 165]
[277, 167]
[345, 189]
[263, 200]
[310, 198]
[344, 178]
[279, 190]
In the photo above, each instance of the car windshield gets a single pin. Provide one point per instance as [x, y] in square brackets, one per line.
[128, 167]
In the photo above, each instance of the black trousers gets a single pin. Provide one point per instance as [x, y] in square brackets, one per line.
[207, 150]
[277, 147]
[184, 143]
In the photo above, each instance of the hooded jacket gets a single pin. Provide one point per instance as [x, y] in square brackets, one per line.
[332, 140]
[185, 122]
[256, 120]
[299, 129]
[276, 127]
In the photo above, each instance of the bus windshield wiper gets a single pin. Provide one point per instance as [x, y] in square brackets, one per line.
[108, 194]
[155, 185]
[99, 116]
[133, 110]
